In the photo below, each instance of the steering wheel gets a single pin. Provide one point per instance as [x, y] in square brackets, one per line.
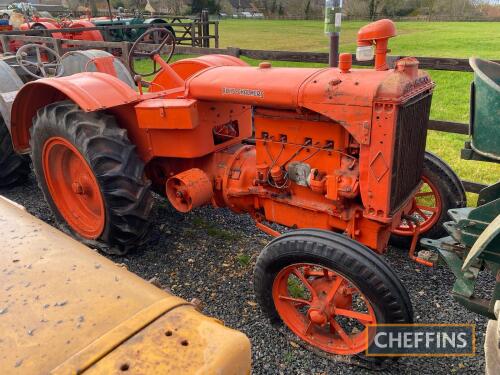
[50, 68]
[157, 36]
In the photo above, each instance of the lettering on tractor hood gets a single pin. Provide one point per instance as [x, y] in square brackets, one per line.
[242, 92]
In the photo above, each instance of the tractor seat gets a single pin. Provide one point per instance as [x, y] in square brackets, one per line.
[96, 61]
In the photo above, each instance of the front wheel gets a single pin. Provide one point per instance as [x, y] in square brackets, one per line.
[91, 176]
[326, 288]
[441, 191]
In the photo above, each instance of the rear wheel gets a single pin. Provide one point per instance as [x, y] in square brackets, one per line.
[326, 288]
[441, 191]
[14, 168]
[91, 176]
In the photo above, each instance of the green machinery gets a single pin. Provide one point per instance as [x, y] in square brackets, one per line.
[129, 35]
[474, 241]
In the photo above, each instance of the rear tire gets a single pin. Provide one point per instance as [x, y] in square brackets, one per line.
[14, 168]
[449, 192]
[89, 172]
[355, 263]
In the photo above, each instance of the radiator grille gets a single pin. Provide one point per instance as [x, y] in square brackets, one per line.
[411, 134]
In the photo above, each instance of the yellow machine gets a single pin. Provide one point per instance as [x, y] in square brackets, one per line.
[64, 309]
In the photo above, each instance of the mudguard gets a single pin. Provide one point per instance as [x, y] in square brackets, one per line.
[43, 24]
[94, 35]
[91, 91]
[10, 83]
[149, 21]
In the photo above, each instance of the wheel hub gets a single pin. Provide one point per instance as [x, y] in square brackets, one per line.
[73, 187]
[77, 188]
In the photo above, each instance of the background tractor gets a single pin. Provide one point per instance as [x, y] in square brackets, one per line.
[33, 62]
[340, 150]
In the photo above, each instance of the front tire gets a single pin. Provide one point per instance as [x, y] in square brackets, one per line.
[91, 176]
[296, 274]
[442, 191]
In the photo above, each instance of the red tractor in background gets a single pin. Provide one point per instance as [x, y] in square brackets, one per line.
[339, 150]
[38, 23]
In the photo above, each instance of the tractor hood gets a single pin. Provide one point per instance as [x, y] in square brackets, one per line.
[316, 89]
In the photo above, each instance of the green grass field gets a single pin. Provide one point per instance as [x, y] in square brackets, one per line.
[429, 39]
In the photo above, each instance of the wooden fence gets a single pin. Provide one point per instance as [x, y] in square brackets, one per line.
[122, 49]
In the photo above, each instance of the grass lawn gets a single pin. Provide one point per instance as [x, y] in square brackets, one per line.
[432, 39]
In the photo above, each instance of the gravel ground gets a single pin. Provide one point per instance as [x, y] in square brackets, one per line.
[209, 254]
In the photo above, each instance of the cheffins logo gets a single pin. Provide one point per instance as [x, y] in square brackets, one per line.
[421, 340]
[243, 92]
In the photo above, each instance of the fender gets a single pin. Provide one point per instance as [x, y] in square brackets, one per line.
[160, 21]
[42, 25]
[94, 35]
[91, 91]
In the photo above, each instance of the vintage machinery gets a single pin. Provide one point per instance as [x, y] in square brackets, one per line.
[64, 309]
[32, 62]
[474, 240]
[129, 35]
[339, 150]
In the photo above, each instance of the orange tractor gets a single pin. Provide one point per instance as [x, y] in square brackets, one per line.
[340, 150]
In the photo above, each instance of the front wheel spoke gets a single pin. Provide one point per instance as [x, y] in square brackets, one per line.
[333, 290]
[297, 301]
[343, 335]
[363, 318]
[422, 213]
[424, 194]
[301, 277]
[427, 208]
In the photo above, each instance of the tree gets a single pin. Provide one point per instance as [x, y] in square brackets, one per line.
[197, 6]
[372, 9]
[307, 9]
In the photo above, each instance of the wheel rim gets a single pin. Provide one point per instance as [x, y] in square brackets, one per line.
[73, 188]
[323, 308]
[427, 207]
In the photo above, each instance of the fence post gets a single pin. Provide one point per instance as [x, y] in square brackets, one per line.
[5, 43]
[205, 27]
[216, 31]
[193, 34]
[125, 52]
[58, 46]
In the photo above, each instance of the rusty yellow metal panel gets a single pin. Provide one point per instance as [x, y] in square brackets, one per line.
[193, 346]
[65, 308]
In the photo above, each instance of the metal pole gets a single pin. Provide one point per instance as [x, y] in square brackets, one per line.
[333, 57]
[109, 10]
[333, 21]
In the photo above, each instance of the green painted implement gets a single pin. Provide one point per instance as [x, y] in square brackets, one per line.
[474, 241]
